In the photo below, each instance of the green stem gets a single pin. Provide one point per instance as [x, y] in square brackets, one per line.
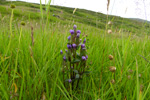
[16, 63]
[11, 18]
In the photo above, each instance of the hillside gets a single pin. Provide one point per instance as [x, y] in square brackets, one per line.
[27, 11]
[57, 55]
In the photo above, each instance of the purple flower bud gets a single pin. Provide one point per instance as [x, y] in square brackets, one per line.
[84, 41]
[69, 80]
[69, 46]
[74, 45]
[71, 67]
[78, 35]
[72, 32]
[69, 37]
[61, 51]
[66, 51]
[74, 27]
[86, 57]
[64, 58]
[82, 45]
[80, 40]
[83, 48]
[78, 31]
[83, 58]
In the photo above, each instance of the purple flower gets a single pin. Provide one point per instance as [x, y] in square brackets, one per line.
[78, 35]
[86, 57]
[61, 51]
[84, 41]
[69, 37]
[83, 58]
[82, 45]
[64, 58]
[78, 31]
[69, 80]
[72, 32]
[74, 27]
[69, 46]
[74, 45]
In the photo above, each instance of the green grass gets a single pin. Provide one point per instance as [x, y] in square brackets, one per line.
[34, 72]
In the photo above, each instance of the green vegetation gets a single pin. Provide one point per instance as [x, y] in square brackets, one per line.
[31, 63]
[26, 11]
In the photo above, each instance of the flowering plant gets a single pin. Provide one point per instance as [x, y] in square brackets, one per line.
[74, 60]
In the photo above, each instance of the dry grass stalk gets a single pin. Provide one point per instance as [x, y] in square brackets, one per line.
[108, 2]
[74, 10]
[32, 38]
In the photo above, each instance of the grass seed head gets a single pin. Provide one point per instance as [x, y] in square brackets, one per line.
[108, 2]
[140, 75]
[112, 69]
[141, 87]
[111, 57]
[109, 23]
[109, 31]
[130, 71]
[23, 23]
[112, 81]
[129, 76]
[12, 6]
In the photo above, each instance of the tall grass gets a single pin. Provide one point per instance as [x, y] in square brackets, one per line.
[35, 71]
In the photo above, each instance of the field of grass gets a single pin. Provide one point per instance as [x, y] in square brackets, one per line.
[31, 67]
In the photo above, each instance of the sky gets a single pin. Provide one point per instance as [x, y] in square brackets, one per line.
[124, 8]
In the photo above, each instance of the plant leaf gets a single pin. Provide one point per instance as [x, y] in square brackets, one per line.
[66, 80]
[77, 76]
[14, 84]
[76, 71]
[78, 55]
[87, 72]
[75, 60]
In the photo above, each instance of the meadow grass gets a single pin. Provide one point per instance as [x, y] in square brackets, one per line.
[34, 72]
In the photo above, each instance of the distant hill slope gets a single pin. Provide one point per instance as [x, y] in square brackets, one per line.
[30, 11]
[138, 19]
